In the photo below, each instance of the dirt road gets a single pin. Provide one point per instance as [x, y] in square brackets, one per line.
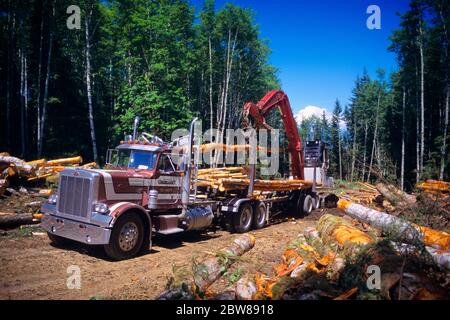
[33, 269]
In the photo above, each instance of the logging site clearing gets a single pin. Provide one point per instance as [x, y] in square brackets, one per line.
[320, 255]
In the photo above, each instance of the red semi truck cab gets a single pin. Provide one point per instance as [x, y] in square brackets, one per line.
[140, 193]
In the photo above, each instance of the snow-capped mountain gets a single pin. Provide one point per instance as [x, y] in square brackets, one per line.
[309, 111]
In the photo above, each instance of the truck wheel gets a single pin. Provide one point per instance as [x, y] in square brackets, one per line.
[259, 216]
[57, 240]
[316, 202]
[308, 204]
[126, 237]
[243, 220]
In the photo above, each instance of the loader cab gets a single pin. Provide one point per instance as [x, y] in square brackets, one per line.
[316, 154]
[317, 160]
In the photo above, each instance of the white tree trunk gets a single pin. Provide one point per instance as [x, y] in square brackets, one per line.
[45, 100]
[364, 156]
[402, 169]
[38, 98]
[26, 103]
[224, 104]
[444, 139]
[22, 103]
[211, 110]
[375, 134]
[353, 152]
[422, 103]
[447, 97]
[418, 146]
[89, 88]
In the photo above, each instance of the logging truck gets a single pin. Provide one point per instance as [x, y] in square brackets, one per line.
[142, 191]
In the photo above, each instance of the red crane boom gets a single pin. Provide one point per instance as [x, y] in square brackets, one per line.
[258, 113]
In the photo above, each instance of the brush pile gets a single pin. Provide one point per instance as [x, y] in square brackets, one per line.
[335, 261]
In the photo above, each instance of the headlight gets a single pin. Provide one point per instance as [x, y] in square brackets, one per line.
[52, 199]
[101, 208]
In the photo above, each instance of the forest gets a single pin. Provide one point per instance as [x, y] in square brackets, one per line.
[76, 91]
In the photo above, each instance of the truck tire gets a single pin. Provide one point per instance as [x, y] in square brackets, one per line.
[243, 219]
[126, 238]
[259, 216]
[316, 203]
[57, 240]
[308, 204]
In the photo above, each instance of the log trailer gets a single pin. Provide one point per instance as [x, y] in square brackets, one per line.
[143, 192]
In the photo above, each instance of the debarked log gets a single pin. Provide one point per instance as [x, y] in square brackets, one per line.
[58, 162]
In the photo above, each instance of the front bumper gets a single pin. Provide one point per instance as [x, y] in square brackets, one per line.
[75, 230]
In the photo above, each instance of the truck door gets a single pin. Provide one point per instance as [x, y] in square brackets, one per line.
[168, 181]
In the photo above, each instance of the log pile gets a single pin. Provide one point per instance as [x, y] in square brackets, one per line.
[236, 178]
[12, 167]
[329, 261]
[364, 193]
[341, 273]
[440, 188]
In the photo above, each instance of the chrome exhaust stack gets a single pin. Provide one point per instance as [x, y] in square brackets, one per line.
[137, 120]
[186, 189]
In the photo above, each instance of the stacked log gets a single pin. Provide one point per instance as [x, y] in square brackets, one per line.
[236, 178]
[435, 187]
[193, 283]
[227, 148]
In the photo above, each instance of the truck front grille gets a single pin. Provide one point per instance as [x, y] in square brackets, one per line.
[74, 196]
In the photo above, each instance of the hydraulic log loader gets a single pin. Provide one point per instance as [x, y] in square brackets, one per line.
[143, 191]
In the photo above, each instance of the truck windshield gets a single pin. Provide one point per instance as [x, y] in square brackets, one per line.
[143, 160]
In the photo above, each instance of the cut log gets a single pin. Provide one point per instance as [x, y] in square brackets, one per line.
[193, 283]
[433, 186]
[11, 219]
[90, 165]
[299, 261]
[335, 230]
[20, 166]
[4, 184]
[336, 263]
[57, 162]
[245, 288]
[396, 226]
[396, 196]
[440, 257]
[45, 192]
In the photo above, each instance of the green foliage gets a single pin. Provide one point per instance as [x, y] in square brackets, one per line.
[148, 58]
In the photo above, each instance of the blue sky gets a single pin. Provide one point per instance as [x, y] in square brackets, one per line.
[320, 46]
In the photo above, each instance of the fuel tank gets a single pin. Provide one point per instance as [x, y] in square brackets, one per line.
[198, 218]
